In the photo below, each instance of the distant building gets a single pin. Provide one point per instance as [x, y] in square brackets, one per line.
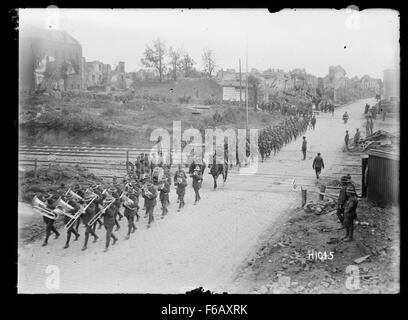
[49, 59]
[391, 85]
[97, 74]
[231, 90]
[118, 78]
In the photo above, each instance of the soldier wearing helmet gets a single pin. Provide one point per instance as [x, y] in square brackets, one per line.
[350, 214]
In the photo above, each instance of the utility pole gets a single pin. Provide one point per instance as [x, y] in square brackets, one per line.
[240, 85]
[246, 95]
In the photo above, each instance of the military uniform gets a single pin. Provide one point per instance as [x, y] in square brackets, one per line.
[151, 202]
[71, 230]
[86, 217]
[350, 213]
[130, 213]
[49, 223]
[181, 183]
[109, 223]
[164, 189]
[318, 164]
[197, 180]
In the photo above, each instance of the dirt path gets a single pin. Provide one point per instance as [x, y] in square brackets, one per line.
[203, 245]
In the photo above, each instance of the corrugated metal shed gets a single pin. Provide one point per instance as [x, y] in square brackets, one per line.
[383, 177]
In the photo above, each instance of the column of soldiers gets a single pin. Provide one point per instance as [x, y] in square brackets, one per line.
[97, 206]
[274, 138]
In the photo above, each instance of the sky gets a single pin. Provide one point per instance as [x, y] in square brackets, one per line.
[365, 42]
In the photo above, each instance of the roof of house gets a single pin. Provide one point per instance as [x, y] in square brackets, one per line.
[48, 34]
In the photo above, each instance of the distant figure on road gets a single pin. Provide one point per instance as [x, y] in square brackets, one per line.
[313, 121]
[384, 113]
[332, 109]
[304, 147]
[367, 107]
[318, 165]
[357, 137]
[346, 139]
[345, 117]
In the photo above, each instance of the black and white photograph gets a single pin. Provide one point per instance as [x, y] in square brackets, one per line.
[238, 151]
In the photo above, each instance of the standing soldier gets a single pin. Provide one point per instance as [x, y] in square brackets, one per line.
[371, 123]
[346, 140]
[109, 221]
[318, 165]
[341, 201]
[197, 180]
[114, 193]
[304, 147]
[49, 223]
[164, 188]
[71, 230]
[367, 126]
[350, 212]
[357, 137]
[150, 194]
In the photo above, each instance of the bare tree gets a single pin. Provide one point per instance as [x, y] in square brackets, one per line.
[154, 57]
[175, 62]
[208, 62]
[187, 65]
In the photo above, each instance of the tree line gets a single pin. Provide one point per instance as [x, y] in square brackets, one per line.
[173, 62]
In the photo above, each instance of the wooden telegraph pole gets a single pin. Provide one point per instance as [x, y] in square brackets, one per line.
[240, 85]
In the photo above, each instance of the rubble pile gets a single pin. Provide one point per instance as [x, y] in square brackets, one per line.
[320, 207]
[380, 139]
[55, 179]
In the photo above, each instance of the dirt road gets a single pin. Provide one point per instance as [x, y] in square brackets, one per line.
[203, 245]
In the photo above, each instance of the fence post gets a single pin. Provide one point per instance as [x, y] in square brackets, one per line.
[35, 168]
[127, 160]
[322, 190]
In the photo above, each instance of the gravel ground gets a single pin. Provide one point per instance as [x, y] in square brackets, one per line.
[203, 245]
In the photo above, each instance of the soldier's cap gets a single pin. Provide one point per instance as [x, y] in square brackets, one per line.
[345, 179]
[197, 168]
[112, 189]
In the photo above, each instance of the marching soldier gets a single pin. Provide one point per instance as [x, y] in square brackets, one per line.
[114, 192]
[130, 212]
[164, 189]
[181, 183]
[86, 217]
[313, 122]
[350, 212]
[150, 194]
[49, 223]
[197, 181]
[71, 230]
[109, 221]
[179, 174]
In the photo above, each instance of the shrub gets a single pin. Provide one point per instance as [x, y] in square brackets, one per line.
[110, 112]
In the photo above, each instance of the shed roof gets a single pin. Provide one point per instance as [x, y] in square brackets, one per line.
[384, 154]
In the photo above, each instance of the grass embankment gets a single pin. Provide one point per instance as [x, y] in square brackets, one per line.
[48, 120]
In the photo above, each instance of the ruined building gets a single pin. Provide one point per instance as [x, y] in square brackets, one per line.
[49, 59]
